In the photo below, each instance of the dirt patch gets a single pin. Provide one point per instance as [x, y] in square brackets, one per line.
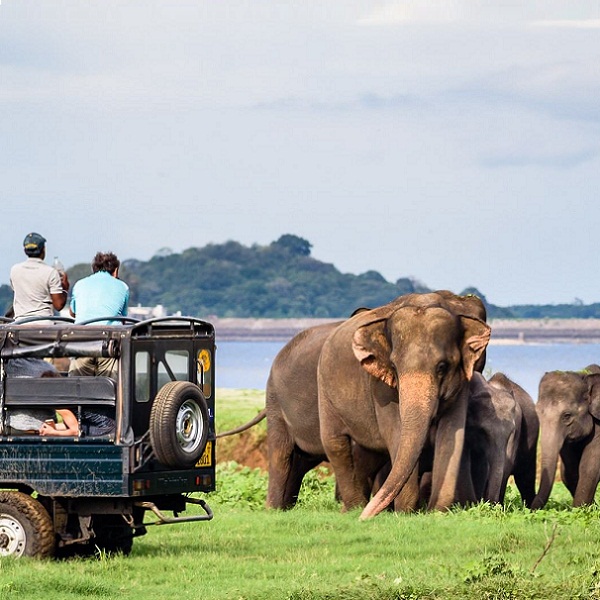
[247, 448]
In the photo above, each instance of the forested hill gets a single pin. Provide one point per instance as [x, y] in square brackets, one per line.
[278, 280]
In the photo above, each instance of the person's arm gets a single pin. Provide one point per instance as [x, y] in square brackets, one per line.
[59, 300]
[70, 422]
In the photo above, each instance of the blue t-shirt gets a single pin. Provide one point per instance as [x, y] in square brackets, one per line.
[99, 295]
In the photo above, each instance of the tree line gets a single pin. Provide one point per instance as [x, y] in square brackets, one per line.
[279, 280]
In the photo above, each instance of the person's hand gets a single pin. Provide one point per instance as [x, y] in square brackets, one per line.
[64, 279]
[48, 428]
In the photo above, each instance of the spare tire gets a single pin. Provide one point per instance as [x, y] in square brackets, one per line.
[179, 424]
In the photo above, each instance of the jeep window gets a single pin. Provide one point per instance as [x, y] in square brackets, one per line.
[175, 366]
[142, 376]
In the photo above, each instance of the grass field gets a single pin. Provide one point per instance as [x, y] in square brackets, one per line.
[316, 552]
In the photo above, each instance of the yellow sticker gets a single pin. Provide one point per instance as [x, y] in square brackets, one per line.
[206, 458]
[204, 358]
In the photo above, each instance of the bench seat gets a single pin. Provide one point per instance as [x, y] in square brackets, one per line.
[60, 391]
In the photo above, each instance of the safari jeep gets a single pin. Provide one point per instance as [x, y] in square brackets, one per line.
[81, 493]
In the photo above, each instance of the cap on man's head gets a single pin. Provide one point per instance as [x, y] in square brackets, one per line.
[34, 244]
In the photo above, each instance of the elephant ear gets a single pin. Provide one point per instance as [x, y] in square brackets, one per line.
[372, 349]
[593, 381]
[475, 340]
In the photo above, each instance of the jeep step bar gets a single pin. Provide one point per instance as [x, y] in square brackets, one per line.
[165, 520]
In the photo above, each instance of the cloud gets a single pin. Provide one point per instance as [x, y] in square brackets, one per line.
[550, 161]
[408, 12]
[569, 24]
[551, 13]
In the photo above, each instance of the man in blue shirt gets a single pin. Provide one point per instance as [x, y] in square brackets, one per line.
[99, 296]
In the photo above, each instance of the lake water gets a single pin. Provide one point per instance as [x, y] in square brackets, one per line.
[247, 364]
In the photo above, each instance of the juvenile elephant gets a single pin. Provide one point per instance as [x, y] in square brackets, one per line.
[500, 441]
[525, 462]
[569, 410]
[387, 375]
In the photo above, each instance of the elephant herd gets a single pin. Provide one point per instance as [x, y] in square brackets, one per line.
[395, 400]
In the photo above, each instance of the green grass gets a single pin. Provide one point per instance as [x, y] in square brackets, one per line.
[316, 552]
[236, 407]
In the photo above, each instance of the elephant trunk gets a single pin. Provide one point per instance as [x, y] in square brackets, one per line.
[418, 405]
[551, 444]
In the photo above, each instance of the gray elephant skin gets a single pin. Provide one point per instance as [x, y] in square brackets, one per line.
[293, 428]
[390, 376]
[569, 410]
[500, 440]
[293, 431]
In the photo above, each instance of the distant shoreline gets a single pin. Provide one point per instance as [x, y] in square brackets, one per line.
[504, 331]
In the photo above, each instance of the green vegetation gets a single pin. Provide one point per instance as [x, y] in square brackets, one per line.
[278, 280]
[275, 281]
[315, 552]
[235, 407]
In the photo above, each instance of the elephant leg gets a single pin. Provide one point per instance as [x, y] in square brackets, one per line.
[408, 498]
[524, 475]
[425, 488]
[569, 469]
[370, 467]
[589, 473]
[351, 490]
[286, 466]
[340, 450]
[280, 470]
[480, 474]
[301, 464]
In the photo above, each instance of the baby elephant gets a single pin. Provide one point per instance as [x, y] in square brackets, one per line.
[500, 441]
[569, 410]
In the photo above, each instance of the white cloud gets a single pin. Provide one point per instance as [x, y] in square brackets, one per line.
[414, 11]
[570, 24]
[550, 13]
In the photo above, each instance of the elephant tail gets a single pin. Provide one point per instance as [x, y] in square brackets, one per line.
[257, 419]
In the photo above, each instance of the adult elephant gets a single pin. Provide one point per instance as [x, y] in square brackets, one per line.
[293, 430]
[387, 378]
[569, 409]
[500, 441]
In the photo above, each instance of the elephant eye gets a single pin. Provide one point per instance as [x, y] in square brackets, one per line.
[441, 368]
[566, 417]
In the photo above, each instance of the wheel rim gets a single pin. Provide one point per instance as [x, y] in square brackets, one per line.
[189, 426]
[13, 538]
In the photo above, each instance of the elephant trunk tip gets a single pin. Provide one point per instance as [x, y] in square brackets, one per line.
[364, 516]
[371, 510]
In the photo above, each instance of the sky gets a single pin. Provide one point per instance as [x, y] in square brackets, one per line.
[453, 141]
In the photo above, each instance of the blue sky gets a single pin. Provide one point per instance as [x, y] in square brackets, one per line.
[456, 142]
